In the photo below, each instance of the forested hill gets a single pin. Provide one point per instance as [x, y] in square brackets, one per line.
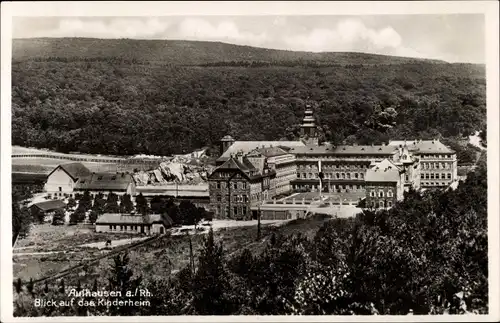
[182, 52]
[128, 97]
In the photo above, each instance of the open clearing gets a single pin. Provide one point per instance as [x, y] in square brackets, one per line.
[159, 258]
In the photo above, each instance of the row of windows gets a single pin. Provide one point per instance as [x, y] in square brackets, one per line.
[435, 176]
[125, 227]
[381, 204]
[362, 157]
[381, 193]
[436, 165]
[336, 166]
[222, 212]
[434, 184]
[337, 187]
[333, 175]
[234, 185]
[436, 156]
[236, 198]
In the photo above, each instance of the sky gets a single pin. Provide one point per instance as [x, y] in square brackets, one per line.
[452, 38]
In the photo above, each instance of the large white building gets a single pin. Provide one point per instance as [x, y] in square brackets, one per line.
[62, 180]
[74, 178]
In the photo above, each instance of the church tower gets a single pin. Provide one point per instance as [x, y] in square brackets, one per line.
[308, 129]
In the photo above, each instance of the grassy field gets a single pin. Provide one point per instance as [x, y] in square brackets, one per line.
[55, 248]
[169, 254]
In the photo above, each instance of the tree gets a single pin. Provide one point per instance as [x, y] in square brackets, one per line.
[21, 220]
[93, 215]
[126, 205]
[18, 285]
[121, 279]
[77, 216]
[71, 203]
[189, 213]
[141, 204]
[99, 205]
[58, 218]
[112, 204]
[210, 284]
[85, 201]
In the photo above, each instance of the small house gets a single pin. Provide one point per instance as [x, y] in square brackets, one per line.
[135, 224]
[47, 208]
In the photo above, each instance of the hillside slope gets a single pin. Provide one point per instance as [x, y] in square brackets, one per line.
[110, 105]
[181, 52]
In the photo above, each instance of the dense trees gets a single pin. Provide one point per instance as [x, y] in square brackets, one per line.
[426, 255]
[113, 107]
[21, 218]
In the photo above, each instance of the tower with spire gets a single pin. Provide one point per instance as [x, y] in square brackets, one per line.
[308, 128]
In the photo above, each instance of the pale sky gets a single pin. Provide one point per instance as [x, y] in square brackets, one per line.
[453, 38]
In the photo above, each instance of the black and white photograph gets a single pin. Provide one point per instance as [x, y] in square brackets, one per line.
[255, 159]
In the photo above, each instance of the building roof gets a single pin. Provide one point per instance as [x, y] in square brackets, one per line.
[384, 171]
[424, 146]
[105, 181]
[74, 170]
[50, 205]
[269, 151]
[344, 150]
[247, 146]
[244, 165]
[118, 218]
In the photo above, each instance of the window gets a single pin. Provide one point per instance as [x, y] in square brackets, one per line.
[217, 212]
[422, 176]
[338, 175]
[244, 210]
[449, 175]
[380, 193]
[361, 175]
[432, 175]
[356, 175]
[443, 175]
[426, 175]
[60, 188]
[372, 193]
[219, 198]
[389, 203]
[218, 185]
[235, 185]
[381, 203]
[121, 227]
[99, 178]
[111, 227]
[374, 204]
[389, 193]
[113, 177]
[235, 209]
[244, 185]
[310, 175]
[348, 175]
[343, 175]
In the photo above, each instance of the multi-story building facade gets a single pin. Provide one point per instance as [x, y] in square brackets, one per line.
[437, 162]
[296, 166]
[385, 184]
[237, 185]
[281, 162]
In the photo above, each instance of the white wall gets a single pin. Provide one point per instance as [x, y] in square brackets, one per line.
[59, 179]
